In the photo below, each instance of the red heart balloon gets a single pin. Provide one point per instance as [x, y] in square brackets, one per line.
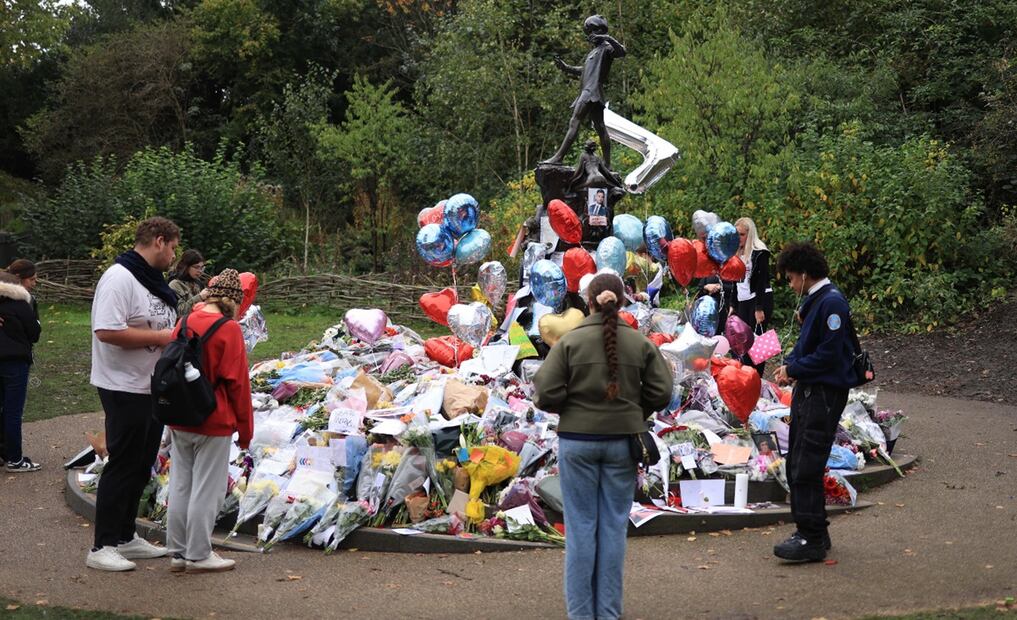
[436, 305]
[660, 339]
[564, 221]
[576, 263]
[629, 318]
[733, 270]
[705, 266]
[433, 215]
[720, 362]
[249, 284]
[448, 350]
[682, 259]
[739, 388]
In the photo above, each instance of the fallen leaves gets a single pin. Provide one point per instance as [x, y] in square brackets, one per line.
[13, 607]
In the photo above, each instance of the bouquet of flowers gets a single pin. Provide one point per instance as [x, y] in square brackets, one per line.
[351, 516]
[867, 434]
[327, 520]
[486, 465]
[447, 524]
[838, 490]
[301, 515]
[408, 476]
[306, 496]
[268, 479]
[504, 526]
[418, 435]
[890, 422]
[240, 471]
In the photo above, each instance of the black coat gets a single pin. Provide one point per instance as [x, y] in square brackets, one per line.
[21, 327]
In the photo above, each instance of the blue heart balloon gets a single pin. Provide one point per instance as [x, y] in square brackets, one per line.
[657, 234]
[629, 229]
[435, 245]
[722, 242]
[611, 255]
[704, 316]
[473, 247]
[460, 214]
[547, 281]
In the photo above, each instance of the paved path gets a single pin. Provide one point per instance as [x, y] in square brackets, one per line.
[942, 537]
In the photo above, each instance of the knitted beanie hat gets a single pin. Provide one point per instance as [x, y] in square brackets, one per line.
[227, 285]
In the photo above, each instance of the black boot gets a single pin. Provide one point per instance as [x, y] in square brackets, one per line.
[798, 549]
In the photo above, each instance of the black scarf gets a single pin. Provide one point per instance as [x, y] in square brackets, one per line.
[148, 276]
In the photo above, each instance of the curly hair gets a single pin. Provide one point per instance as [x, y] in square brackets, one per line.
[606, 292]
[803, 257]
[154, 227]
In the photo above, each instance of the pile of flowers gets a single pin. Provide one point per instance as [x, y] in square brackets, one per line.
[350, 434]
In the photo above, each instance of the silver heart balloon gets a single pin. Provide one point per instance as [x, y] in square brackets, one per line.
[470, 322]
[492, 280]
[702, 220]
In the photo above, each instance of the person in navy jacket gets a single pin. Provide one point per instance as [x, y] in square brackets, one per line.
[821, 369]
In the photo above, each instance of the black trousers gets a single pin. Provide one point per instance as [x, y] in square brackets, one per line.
[132, 438]
[815, 412]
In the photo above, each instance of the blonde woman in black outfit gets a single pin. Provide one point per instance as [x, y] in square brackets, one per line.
[753, 299]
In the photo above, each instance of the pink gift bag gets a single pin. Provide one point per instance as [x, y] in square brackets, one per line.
[765, 346]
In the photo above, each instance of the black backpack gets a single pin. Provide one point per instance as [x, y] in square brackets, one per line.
[175, 400]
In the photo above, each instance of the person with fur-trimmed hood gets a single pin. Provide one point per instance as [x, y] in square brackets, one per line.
[19, 332]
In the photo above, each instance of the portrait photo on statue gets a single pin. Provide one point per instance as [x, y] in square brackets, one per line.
[596, 209]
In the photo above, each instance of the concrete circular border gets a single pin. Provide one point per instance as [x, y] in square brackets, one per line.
[386, 540]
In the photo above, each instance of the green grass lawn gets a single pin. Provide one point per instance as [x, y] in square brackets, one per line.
[58, 384]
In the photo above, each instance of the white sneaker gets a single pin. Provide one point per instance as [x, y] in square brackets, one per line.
[178, 565]
[141, 549]
[211, 564]
[109, 559]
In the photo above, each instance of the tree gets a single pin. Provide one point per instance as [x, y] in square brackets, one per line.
[373, 148]
[114, 98]
[490, 92]
[31, 29]
[728, 109]
[289, 145]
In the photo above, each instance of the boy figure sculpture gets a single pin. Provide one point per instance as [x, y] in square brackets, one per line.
[589, 105]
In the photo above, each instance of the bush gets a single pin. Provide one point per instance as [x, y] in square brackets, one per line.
[230, 216]
[900, 227]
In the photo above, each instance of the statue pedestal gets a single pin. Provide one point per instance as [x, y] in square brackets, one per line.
[558, 181]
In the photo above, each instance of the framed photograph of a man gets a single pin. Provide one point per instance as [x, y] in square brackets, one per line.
[596, 210]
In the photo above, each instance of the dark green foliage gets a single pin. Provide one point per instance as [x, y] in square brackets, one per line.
[230, 216]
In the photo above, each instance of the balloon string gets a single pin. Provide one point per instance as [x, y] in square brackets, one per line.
[455, 339]
[791, 325]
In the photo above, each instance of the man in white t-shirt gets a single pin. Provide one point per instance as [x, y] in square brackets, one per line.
[133, 315]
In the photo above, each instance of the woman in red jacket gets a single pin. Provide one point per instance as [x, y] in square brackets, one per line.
[199, 455]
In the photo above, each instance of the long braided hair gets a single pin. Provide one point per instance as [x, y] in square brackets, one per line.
[606, 293]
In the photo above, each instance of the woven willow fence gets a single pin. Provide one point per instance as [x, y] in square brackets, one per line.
[63, 281]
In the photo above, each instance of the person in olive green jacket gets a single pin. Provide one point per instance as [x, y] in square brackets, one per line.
[604, 379]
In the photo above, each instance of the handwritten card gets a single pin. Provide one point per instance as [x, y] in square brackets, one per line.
[345, 420]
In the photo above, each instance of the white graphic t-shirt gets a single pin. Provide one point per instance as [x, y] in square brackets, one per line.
[121, 302]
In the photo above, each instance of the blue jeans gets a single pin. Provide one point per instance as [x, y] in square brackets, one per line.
[13, 392]
[598, 481]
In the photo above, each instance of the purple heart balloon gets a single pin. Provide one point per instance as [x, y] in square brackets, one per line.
[395, 361]
[739, 335]
[366, 325]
